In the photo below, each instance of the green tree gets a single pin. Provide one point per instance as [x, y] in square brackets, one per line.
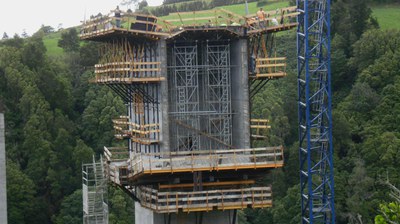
[20, 195]
[69, 40]
[390, 213]
[33, 53]
[103, 106]
[122, 210]
[71, 209]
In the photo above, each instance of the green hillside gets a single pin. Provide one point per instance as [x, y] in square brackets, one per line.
[51, 41]
[238, 9]
[388, 16]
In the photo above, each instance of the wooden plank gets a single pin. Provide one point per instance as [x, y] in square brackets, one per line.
[259, 120]
[128, 80]
[260, 126]
[272, 164]
[189, 185]
[271, 65]
[271, 59]
[271, 75]
[191, 19]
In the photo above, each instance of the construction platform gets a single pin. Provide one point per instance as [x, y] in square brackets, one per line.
[197, 201]
[133, 24]
[139, 164]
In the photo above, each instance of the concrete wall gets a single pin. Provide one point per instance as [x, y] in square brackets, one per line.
[3, 190]
[143, 215]
[240, 95]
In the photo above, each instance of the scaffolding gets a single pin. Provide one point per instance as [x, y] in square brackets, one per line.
[200, 103]
[94, 193]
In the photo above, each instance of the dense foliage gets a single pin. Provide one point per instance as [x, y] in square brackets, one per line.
[55, 121]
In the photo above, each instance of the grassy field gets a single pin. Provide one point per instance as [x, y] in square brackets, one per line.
[238, 9]
[388, 16]
[51, 41]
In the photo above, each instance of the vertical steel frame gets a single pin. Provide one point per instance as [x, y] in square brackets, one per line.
[200, 96]
[185, 99]
[314, 108]
[218, 93]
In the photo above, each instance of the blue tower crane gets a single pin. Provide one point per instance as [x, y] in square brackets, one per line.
[315, 112]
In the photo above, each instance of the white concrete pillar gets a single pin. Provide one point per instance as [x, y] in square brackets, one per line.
[3, 189]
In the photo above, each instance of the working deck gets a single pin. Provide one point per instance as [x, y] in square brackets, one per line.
[124, 167]
[194, 201]
[137, 25]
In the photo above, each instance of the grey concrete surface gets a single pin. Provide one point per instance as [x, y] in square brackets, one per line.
[240, 95]
[3, 189]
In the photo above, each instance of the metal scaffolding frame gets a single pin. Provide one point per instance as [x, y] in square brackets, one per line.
[200, 99]
[94, 193]
[184, 98]
[315, 114]
[218, 94]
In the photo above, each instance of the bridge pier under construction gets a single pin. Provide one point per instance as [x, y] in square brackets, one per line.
[188, 131]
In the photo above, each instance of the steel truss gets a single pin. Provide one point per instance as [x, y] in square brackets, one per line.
[200, 103]
[315, 117]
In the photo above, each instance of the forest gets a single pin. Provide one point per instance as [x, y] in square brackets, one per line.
[56, 120]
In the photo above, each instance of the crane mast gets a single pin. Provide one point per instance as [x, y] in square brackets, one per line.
[315, 114]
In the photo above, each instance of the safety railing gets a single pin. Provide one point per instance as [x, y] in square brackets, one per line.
[117, 163]
[215, 160]
[279, 18]
[171, 202]
[126, 21]
[270, 68]
[125, 165]
[141, 133]
[256, 125]
[125, 71]
[152, 27]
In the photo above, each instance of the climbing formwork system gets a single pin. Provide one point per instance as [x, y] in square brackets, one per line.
[187, 84]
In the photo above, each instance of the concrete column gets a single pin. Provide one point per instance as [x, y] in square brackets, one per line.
[146, 216]
[164, 122]
[240, 95]
[143, 215]
[3, 189]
